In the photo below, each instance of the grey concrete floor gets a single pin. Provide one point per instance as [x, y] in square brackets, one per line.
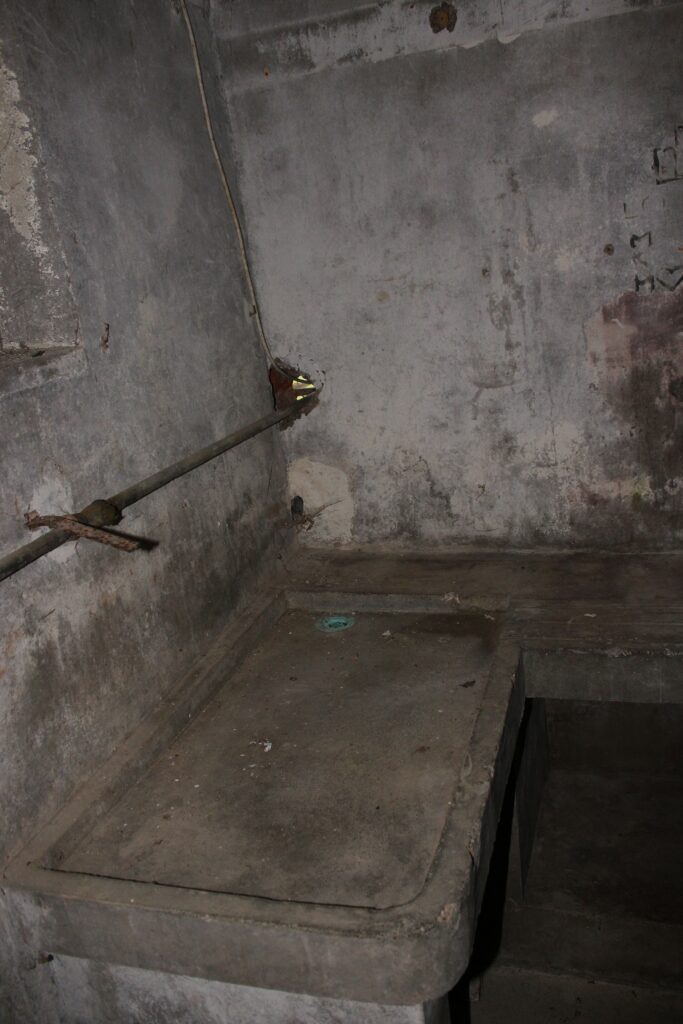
[515, 996]
[609, 844]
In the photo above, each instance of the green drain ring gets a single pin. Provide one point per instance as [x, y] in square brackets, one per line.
[335, 623]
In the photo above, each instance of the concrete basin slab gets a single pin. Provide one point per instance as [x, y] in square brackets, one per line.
[312, 812]
[322, 771]
[338, 792]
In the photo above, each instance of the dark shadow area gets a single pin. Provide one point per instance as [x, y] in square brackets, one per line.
[489, 933]
[590, 924]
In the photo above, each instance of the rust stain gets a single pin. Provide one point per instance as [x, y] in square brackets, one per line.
[443, 17]
[11, 642]
[77, 529]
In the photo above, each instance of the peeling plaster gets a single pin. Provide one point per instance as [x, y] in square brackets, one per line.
[36, 305]
[18, 165]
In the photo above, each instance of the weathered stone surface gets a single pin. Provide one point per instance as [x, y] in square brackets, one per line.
[477, 249]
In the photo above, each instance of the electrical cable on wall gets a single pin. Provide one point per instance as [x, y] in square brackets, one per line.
[288, 384]
[226, 188]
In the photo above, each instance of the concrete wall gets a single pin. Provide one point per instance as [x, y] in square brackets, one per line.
[469, 237]
[119, 219]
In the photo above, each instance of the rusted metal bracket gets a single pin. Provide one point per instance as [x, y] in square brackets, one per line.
[289, 385]
[74, 526]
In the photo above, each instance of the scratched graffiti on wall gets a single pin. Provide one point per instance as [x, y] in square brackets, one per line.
[656, 258]
[667, 161]
[634, 347]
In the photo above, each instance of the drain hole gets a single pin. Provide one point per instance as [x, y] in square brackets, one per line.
[335, 623]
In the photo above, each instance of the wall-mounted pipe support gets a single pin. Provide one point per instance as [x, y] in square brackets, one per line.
[91, 515]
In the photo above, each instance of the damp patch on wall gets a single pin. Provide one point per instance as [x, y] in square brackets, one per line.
[327, 499]
[635, 348]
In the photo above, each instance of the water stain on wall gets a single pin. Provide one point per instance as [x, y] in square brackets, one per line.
[636, 345]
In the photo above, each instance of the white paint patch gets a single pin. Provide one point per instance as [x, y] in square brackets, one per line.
[567, 259]
[545, 117]
[327, 497]
[18, 165]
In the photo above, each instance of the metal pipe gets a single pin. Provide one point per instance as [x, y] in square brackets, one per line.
[23, 556]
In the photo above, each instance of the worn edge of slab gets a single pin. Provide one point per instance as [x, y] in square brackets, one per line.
[549, 577]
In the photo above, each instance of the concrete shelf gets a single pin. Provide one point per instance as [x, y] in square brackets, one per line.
[314, 809]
